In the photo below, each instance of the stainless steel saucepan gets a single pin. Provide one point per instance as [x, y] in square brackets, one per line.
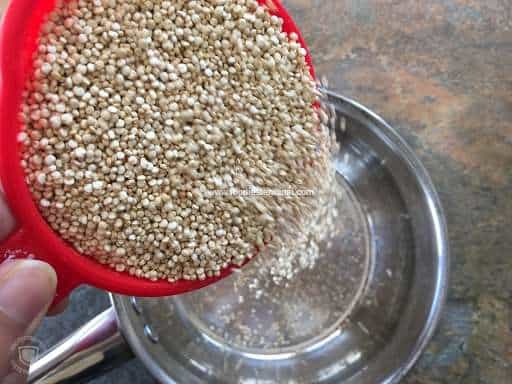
[363, 314]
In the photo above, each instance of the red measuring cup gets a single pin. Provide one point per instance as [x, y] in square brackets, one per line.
[33, 237]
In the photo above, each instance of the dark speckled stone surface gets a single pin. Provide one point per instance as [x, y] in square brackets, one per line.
[441, 72]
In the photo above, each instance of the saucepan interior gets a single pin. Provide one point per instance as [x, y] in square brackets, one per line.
[368, 309]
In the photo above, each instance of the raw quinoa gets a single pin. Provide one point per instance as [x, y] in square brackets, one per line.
[152, 128]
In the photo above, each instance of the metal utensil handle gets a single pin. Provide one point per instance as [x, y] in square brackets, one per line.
[92, 350]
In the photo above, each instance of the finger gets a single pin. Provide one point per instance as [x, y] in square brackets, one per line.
[15, 378]
[27, 288]
[59, 308]
[6, 220]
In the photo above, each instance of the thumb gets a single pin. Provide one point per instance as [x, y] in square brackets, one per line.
[27, 288]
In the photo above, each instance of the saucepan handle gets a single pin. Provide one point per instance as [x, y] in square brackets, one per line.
[92, 350]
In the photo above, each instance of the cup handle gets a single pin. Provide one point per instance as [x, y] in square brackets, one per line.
[21, 245]
[89, 352]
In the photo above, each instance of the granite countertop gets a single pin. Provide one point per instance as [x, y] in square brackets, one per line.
[440, 71]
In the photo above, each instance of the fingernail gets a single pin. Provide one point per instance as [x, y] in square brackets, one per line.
[26, 289]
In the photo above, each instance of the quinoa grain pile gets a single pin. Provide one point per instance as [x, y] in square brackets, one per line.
[137, 111]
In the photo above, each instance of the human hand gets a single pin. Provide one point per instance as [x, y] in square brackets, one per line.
[27, 288]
